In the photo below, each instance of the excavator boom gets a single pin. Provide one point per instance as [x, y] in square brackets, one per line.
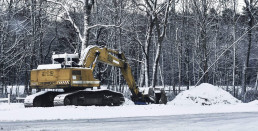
[105, 55]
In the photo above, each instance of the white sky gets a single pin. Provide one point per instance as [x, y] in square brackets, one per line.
[240, 3]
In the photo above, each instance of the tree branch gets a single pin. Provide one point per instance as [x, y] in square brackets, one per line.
[100, 25]
[69, 18]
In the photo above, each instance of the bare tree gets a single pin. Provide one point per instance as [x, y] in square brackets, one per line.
[249, 9]
[201, 8]
[161, 30]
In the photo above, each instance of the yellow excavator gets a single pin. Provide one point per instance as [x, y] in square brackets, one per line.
[75, 76]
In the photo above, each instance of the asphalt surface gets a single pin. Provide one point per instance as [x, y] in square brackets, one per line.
[206, 122]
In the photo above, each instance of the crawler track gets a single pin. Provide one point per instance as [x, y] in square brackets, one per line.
[77, 98]
[41, 99]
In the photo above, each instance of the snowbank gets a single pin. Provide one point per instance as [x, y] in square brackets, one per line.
[255, 102]
[128, 102]
[204, 94]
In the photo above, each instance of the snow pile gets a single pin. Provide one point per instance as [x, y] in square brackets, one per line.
[204, 94]
[255, 102]
[128, 102]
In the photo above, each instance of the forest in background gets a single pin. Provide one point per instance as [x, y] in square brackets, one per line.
[169, 42]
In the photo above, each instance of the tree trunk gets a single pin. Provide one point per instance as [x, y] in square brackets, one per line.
[88, 4]
[250, 25]
[234, 50]
[141, 81]
[146, 71]
[40, 30]
[146, 55]
[155, 65]
[256, 82]
[33, 36]
[178, 59]
[161, 31]
[2, 62]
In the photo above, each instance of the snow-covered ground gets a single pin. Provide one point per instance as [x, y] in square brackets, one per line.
[197, 122]
[17, 112]
[204, 99]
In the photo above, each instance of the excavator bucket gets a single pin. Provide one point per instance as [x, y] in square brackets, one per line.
[151, 95]
[160, 96]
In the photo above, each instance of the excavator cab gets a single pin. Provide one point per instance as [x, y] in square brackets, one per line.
[67, 60]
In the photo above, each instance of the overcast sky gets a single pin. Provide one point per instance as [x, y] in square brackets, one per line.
[240, 3]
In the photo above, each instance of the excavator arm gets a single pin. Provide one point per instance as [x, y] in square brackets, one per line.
[93, 54]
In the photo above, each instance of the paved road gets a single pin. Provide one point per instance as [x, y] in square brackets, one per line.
[205, 122]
